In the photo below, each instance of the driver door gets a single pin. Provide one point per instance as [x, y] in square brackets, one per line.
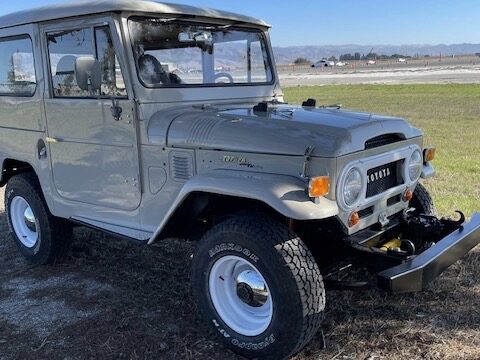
[94, 156]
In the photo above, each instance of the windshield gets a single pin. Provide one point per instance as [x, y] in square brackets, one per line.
[173, 53]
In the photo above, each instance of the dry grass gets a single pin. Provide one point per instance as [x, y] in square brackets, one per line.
[439, 323]
[109, 300]
[113, 300]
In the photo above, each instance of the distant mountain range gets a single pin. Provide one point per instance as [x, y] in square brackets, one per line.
[286, 55]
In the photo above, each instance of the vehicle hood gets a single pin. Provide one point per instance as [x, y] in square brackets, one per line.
[283, 129]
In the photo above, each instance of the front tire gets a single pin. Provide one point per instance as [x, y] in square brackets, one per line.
[422, 201]
[259, 286]
[40, 237]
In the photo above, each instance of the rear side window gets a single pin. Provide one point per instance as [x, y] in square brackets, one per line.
[17, 68]
[66, 46]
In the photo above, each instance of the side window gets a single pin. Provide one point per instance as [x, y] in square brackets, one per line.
[66, 46]
[17, 68]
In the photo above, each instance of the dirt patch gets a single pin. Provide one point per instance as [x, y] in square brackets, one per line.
[114, 300]
[416, 75]
[28, 312]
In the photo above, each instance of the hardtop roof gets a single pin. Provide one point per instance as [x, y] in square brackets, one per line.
[88, 7]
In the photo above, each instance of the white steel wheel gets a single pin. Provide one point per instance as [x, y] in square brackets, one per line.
[258, 286]
[24, 222]
[240, 295]
[41, 237]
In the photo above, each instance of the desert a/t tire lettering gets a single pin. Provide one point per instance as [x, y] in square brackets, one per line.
[272, 274]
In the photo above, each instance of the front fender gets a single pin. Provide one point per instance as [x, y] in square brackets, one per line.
[284, 194]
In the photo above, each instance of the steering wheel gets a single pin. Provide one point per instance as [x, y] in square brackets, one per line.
[224, 75]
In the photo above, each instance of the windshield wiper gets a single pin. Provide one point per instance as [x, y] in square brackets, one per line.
[333, 106]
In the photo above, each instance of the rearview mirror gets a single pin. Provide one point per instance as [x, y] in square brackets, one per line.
[88, 73]
[184, 37]
[200, 37]
[203, 36]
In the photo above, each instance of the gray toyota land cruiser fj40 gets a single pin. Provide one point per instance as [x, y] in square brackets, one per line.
[140, 118]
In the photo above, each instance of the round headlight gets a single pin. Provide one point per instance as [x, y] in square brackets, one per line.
[415, 165]
[352, 187]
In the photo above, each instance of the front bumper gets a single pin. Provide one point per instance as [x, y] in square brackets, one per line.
[414, 274]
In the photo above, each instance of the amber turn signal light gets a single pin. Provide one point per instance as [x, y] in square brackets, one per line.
[408, 195]
[319, 186]
[428, 154]
[353, 219]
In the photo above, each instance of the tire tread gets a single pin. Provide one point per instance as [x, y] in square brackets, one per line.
[298, 258]
[423, 201]
[59, 229]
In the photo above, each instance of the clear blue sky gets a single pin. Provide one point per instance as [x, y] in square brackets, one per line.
[337, 22]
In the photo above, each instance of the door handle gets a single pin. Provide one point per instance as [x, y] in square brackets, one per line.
[53, 140]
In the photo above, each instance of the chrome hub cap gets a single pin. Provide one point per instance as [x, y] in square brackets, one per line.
[29, 219]
[240, 295]
[251, 288]
[24, 222]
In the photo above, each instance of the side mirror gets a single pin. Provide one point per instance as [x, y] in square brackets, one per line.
[88, 73]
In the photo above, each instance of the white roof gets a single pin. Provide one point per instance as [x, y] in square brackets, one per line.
[87, 7]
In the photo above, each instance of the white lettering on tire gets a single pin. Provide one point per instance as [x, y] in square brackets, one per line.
[254, 346]
[232, 247]
[242, 344]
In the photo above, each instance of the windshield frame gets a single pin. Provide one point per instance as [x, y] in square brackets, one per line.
[261, 33]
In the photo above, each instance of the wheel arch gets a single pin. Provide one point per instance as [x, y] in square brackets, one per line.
[12, 167]
[279, 195]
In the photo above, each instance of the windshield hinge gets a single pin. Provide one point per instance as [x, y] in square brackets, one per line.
[306, 161]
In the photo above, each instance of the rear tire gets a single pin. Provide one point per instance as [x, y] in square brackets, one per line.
[40, 237]
[422, 201]
[259, 286]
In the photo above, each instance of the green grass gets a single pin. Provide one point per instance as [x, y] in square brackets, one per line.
[449, 115]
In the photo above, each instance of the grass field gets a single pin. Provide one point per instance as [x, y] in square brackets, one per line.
[448, 114]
